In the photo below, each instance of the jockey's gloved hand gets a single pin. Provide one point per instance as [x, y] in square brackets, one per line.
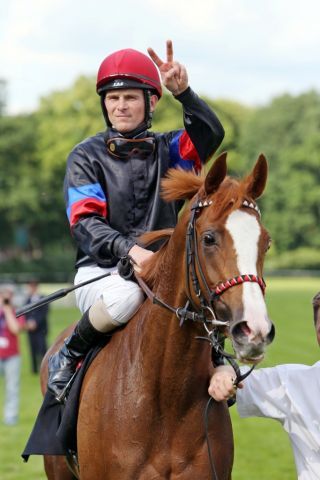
[125, 267]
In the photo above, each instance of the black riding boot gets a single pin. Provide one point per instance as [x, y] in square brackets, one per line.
[63, 363]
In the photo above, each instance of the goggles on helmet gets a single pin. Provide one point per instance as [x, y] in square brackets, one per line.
[124, 83]
[126, 148]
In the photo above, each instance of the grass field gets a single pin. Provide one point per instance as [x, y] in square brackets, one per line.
[262, 449]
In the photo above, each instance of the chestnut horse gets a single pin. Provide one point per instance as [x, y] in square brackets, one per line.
[142, 403]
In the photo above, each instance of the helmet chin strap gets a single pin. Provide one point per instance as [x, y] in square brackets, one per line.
[142, 127]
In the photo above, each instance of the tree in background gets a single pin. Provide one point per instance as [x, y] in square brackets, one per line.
[3, 96]
[34, 231]
[287, 131]
[18, 181]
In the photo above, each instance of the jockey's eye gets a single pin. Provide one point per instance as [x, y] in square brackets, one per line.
[209, 239]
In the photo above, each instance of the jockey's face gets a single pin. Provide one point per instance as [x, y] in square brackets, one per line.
[125, 108]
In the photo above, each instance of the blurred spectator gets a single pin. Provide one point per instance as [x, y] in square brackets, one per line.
[37, 325]
[10, 359]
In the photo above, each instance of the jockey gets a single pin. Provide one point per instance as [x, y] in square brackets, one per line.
[112, 189]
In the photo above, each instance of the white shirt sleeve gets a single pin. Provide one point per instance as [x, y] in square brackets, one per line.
[265, 393]
[289, 394]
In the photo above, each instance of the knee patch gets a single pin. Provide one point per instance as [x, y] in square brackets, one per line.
[100, 317]
[123, 303]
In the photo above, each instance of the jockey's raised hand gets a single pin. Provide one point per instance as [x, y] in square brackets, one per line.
[173, 75]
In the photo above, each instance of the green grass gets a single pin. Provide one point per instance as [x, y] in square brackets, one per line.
[14, 438]
[262, 449]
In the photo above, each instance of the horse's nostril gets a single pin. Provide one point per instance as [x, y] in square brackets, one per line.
[242, 333]
[241, 330]
[271, 334]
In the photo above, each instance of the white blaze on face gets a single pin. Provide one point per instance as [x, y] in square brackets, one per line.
[245, 232]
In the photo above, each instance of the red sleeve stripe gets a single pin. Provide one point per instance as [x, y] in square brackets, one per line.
[188, 151]
[183, 153]
[87, 206]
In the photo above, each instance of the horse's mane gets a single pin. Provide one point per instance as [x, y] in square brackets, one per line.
[182, 185]
[152, 268]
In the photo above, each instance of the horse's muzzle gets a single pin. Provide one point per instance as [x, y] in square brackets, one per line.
[250, 346]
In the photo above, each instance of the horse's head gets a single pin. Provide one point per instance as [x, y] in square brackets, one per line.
[225, 249]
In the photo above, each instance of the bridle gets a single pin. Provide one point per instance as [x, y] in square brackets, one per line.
[193, 263]
[206, 295]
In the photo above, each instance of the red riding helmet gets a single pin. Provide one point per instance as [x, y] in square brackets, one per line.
[128, 68]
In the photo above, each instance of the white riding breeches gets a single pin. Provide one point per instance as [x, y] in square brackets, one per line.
[122, 298]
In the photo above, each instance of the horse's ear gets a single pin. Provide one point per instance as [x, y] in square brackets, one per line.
[257, 180]
[216, 174]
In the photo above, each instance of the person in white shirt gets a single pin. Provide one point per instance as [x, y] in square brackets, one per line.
[287, 393]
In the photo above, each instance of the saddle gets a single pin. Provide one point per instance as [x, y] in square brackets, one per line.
[55, 429]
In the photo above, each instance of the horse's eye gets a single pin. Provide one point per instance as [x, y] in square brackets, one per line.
[209, 239]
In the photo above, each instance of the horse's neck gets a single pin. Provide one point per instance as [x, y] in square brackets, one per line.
[169, 347]
[171, 284]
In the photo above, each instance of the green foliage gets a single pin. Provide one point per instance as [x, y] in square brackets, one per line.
[65, 119]
[298, 259]
[34, 149]
[19, 185]
[168, 114]
[233, 117]
[3, 96]
[287, 131]
[55, 262]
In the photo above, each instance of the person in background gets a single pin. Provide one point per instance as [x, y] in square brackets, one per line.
[10, 360]
[37, 326]
[287, 393]
[112, 189]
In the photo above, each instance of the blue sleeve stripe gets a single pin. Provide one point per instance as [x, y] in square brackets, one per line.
[92, 190]
[76, 194]
[175, 158]
[174, 150]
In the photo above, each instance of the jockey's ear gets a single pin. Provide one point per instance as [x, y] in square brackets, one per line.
[256, 181]
[216, 174]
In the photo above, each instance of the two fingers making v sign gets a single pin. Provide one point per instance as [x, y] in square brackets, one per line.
[173, 75]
